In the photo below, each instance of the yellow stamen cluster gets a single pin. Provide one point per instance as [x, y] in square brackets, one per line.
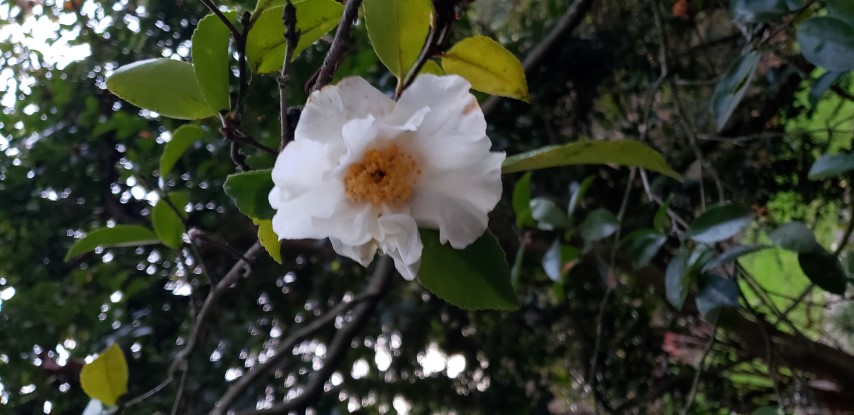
[383, 176]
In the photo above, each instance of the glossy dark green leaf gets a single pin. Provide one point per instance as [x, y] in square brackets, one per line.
[522, 201]
[720, 223]
[643, 245]
[678, 280]
[842, 10]
[211, 60]
[249, 190]
[730, 255]
[831, 165]
[731, 88]
[165, 86]
[824, 270]
[827, 42]
[548, 216]
[758, 11]
[622, 153]
[181, 140]
[167, 224]
[115, 237]
[796, 237]
[598, 225]
[474, 278]
[715, 293]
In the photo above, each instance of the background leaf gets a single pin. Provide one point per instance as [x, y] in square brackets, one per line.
[757, 11]
[842, 10]
[731, 88]
[211, 60]
[167, 224]
[398, 30]
[474, 278]
[522, 201]
[621, 152]
[716, 293]
[117, 236]
[106, 378]
[182, 139]
[249, 190]
[831, 165]
[677, 280]
[598, 225]
[824, 270]
[643, 245]
[548, 216]
[796, 237]
[827, 42]
[265, 45]
[166, 86]
[720, 223]
[488, 67]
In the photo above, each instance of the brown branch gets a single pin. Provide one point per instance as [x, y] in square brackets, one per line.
[339, 45]
[289, 18]
[339, 346]
[566, 25]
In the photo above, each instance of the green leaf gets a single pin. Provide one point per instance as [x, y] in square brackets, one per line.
[720, 223]
[211, 60]
[643, 245]
[622, 153]
[182, 139]
[398, 30]
[577, 192]
[106, 378]
[716, 293]
[795, 237]
[249, 190]
[820, 87]
[598, 225]
[827, 42]
[662, 221]
[677, 280]
[556, 258]
[265, 45]
[268, 238]
[522, 200]
[831, 165]
[474, 278]
[824, 270]
[767, 410]
[488, 67]
[758, 11]
[548, 216]
[115, 237]
[165, 86]
[167, 224]
[730, 255]
[432, 67]
[731, 88]
[842, 10]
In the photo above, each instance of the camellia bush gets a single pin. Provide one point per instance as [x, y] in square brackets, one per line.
[310, 206]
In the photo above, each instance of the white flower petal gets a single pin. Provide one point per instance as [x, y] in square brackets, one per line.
[295, 214]
[363, 254]
[457, 202]
[352, 224]
[399, 239]
[329, 109]
[299, 168]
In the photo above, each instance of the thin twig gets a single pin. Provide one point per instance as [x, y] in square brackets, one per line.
[338, 347]
[289, 18]
[215, 10]
[180, 391]
[700, 367]
[423, 56]
[339, 45]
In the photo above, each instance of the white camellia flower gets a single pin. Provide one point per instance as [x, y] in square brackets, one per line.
[366, 171]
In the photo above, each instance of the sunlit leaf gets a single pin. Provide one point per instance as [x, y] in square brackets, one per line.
[165, 86]
[249, 190]
[622, 153]
[265, 45]
[731, 88]
[720, 223]
[488, 67]
[432, 67]
[827, 42]
[269, 240]
[166, 222]
[398, 30]
[474, 278]
[115, 237]
[106, 378]
[181, 140]
[211, 60]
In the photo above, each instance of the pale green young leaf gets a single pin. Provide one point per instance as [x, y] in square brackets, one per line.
[165, 86]
[211, 60]
[106, 378]
[488, 66]
[431, 67]
[268, 238]
[182, 139]
[115, 237]
[398, 30]
[265, 45]
[622, 153]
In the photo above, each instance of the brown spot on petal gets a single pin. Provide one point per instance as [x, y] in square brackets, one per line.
[472, 105]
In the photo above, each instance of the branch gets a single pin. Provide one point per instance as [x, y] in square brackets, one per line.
[700, 368]
[566, 25]
[339, 346]
[339, 45]
[289, 17]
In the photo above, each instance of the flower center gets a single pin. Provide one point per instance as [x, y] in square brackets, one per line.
[383, 176]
